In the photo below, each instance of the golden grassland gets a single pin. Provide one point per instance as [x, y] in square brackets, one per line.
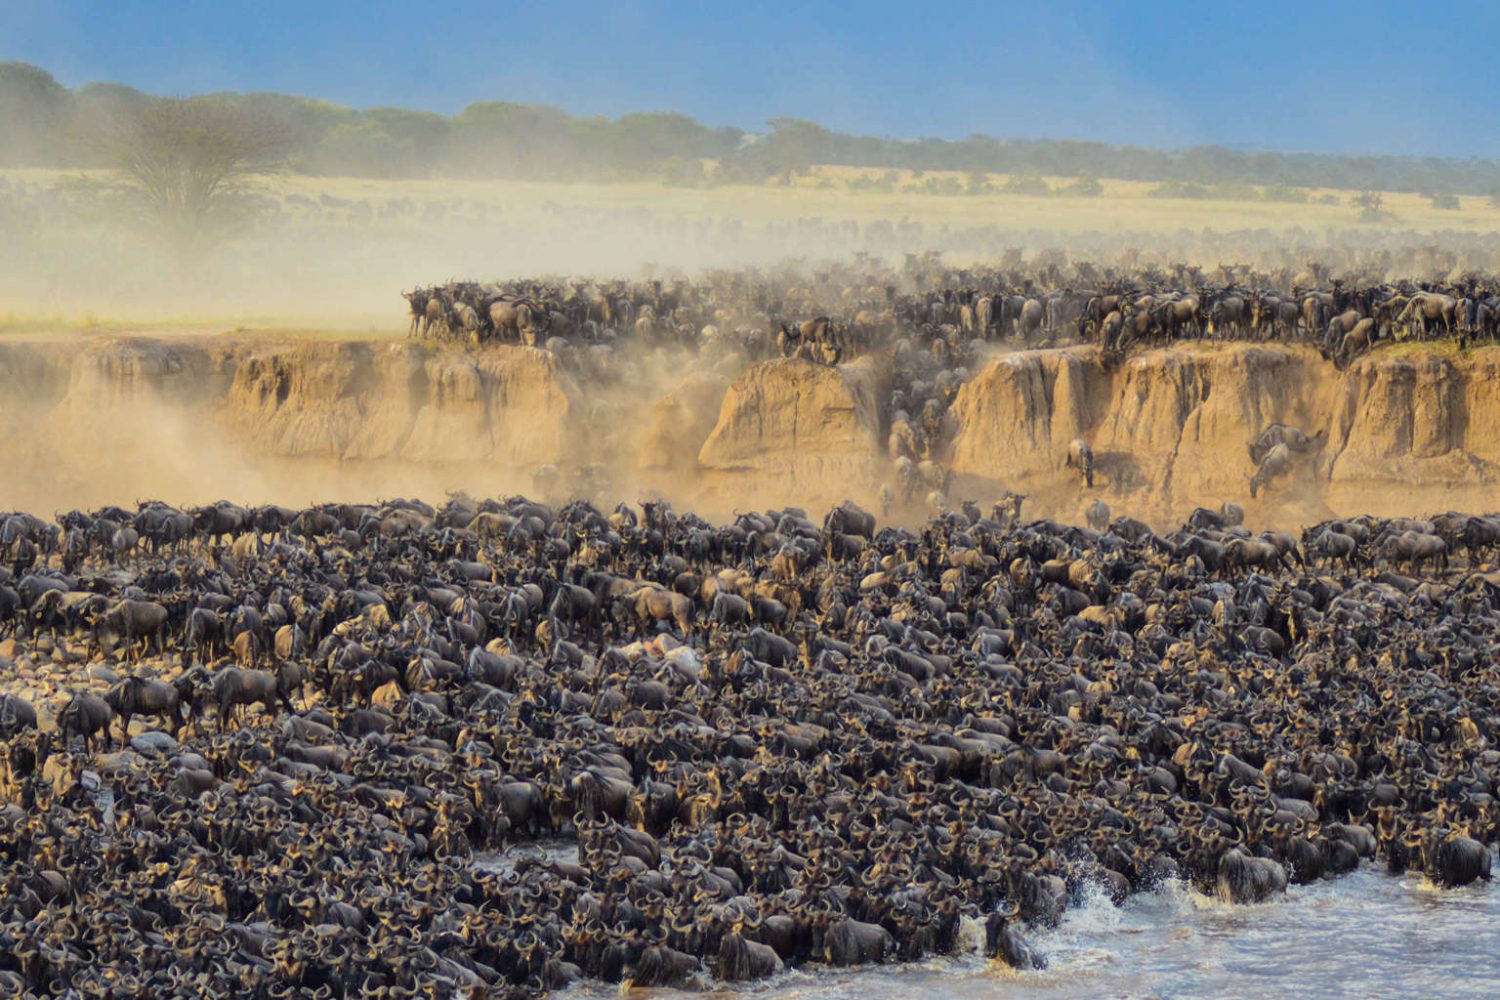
[63, 325]
[1417, 349]
[833, 194]
[508, 213]
[1122, 205]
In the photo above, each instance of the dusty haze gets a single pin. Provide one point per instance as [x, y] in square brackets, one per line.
[274, 367]
[111, 419]
[332, 253]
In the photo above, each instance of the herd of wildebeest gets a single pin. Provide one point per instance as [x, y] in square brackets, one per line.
[352, 749]
[838, 312]
[934, 325]
[497, 746]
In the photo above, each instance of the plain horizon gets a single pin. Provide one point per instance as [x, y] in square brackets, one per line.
[1170, 75]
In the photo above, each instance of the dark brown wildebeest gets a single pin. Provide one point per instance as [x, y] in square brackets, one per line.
[1276, 463]
[85, 714]
[233, 687]
[142, 696]
[132, 620]
[1081, 457]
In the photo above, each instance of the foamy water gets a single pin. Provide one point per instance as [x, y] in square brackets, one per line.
[560, 849]
[1365, 935]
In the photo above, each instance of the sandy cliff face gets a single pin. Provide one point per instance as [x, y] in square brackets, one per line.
[799, 432]
[371, 402]
[115, 419]
[1420, 426]
[1170, 429]
[111, 420]
[678, 424]
[317, 400]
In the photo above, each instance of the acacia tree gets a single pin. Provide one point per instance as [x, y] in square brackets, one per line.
[188, 163]
[1371, 205]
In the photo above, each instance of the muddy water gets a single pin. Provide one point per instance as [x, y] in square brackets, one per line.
[1366, 935]
[565, 851]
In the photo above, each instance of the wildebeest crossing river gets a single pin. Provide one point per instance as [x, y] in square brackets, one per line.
[501, 749]
[1367, 935]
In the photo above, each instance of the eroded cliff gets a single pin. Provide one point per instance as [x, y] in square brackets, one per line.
[1405, 430]
[115, 419]
[792, 431]
[509, 406]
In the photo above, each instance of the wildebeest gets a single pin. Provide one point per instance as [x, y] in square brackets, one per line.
[1458, 860]
[1430, 309]
[1244, 878]
[142, 622]
[417, 302]
[205, 635]
[1294, 438]
[741, 959]
[234, 687]
[1359, 338]
[1081, 457]
[1276, 463]
[1097, 515]
[15, 714]
[852, 942]
[521, 320]
[84, 715]
[142, 696]
[1414, 548]
[1229, 314]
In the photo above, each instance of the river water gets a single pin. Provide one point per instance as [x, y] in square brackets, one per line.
[1368, 934]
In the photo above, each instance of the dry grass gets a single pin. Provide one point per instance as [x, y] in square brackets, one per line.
[825, 193]
[334, 272]
[1128, 205]
[19, 326]
[1123, 205]
[1445, 348]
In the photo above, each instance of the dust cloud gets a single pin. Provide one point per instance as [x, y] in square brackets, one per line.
[333, 254]
[273, 365]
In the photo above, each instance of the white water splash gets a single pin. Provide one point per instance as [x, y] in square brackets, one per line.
[1368, 934]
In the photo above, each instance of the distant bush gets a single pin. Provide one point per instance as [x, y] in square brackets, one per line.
[1446, 201]
[978, 183]
[1178, 189]
[1083, 187]
[1233, 191]
[677, 171]
[1371, 205]
[942, 186]
[1028, 184]
[1283, 194]
[43, 123]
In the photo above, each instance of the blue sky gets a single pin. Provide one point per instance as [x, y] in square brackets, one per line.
[1337, 77]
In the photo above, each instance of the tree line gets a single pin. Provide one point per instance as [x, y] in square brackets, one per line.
[47, 124]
